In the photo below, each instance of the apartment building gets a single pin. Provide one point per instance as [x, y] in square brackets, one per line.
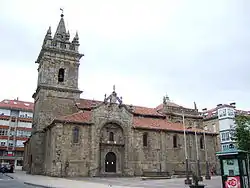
[15, 128]
[221, 120]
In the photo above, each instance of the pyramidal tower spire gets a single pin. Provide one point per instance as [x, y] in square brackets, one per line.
[60, 33]
[61, 39]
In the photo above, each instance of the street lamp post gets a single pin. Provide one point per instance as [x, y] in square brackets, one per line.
[197, 156]
[207, 177]
[187, 180]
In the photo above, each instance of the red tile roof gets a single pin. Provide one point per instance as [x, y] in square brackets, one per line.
[85, 116]
[243, 112]
[16, 104]
[160, 124]
[138, 122]
[146, 111]
[159, 107]
[79, 117]
[86, 104]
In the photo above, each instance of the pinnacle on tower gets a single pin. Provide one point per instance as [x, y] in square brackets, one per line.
[60, 33]
[48, 37]
[49, 33]
[76, 39]
[67, 36]
[61, 39]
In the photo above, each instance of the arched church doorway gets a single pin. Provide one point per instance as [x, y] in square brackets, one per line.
[110, 162]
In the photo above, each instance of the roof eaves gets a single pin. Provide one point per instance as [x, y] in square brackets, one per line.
[72, 121]
[173, 130]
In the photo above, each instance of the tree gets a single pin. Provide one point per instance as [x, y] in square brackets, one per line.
[242, 132]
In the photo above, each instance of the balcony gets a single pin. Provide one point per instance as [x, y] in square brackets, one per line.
[11, 157]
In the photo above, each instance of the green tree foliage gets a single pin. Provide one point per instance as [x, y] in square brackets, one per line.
[242, 132]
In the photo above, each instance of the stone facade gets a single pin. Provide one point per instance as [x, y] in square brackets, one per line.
[80, 137]
[212, 125]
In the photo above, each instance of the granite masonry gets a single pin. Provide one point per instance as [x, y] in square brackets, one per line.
[80, 137]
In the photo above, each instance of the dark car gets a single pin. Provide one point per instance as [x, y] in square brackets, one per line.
[6, 168]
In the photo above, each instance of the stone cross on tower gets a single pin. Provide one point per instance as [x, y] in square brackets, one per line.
[113, 98]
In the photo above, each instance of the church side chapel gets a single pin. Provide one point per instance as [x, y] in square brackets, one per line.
[80, 137]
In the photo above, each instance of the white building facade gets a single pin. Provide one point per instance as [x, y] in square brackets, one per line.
[222, 121]
[15, 129]
[226, 118]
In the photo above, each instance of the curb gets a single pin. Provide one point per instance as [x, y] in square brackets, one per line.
[37, 185]
[11, 177]
[155, 178]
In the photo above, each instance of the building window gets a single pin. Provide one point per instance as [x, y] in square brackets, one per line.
[2, 143]
[225, 136]
[75, 135]
[230, 112]
[145, 139]
[10, 144]
[222, 112]
[111, 136]
[202, 143]
[61, 75]
[4, 132]
[175, 141]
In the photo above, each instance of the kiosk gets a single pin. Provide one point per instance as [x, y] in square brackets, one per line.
[234, 168]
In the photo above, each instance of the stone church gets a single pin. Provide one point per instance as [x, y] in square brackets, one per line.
[80, 137]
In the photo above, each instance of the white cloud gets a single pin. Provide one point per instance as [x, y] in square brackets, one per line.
[193, 50]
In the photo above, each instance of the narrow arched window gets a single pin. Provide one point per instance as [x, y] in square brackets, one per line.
[61, 75]
[111, 136]
[145, 139]
[75, 135]
[175, 141]
[201, 143]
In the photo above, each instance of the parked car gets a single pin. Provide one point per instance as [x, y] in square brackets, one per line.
[7, 168]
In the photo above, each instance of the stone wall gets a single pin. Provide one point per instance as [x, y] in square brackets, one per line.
[132, 157]
[49, 66]
[213, 126]
[160, 155]
[26, 156]
[63, 157]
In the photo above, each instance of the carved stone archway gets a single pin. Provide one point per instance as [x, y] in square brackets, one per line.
[112, 149]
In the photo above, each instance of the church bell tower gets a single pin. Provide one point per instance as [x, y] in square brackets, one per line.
[57, 87]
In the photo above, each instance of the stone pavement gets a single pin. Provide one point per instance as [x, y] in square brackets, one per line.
[6, 182]
[44, 181]
[163, 183]
[52, 182]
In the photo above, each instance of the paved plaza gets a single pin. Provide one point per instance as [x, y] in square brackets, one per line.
[7, 182]
[107, 182]
[137, 182]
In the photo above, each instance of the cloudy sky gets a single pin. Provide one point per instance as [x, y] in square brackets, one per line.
[192, 50]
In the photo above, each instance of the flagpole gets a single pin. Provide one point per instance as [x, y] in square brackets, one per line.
[207, 177]
[197, 155]
[187, 180]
